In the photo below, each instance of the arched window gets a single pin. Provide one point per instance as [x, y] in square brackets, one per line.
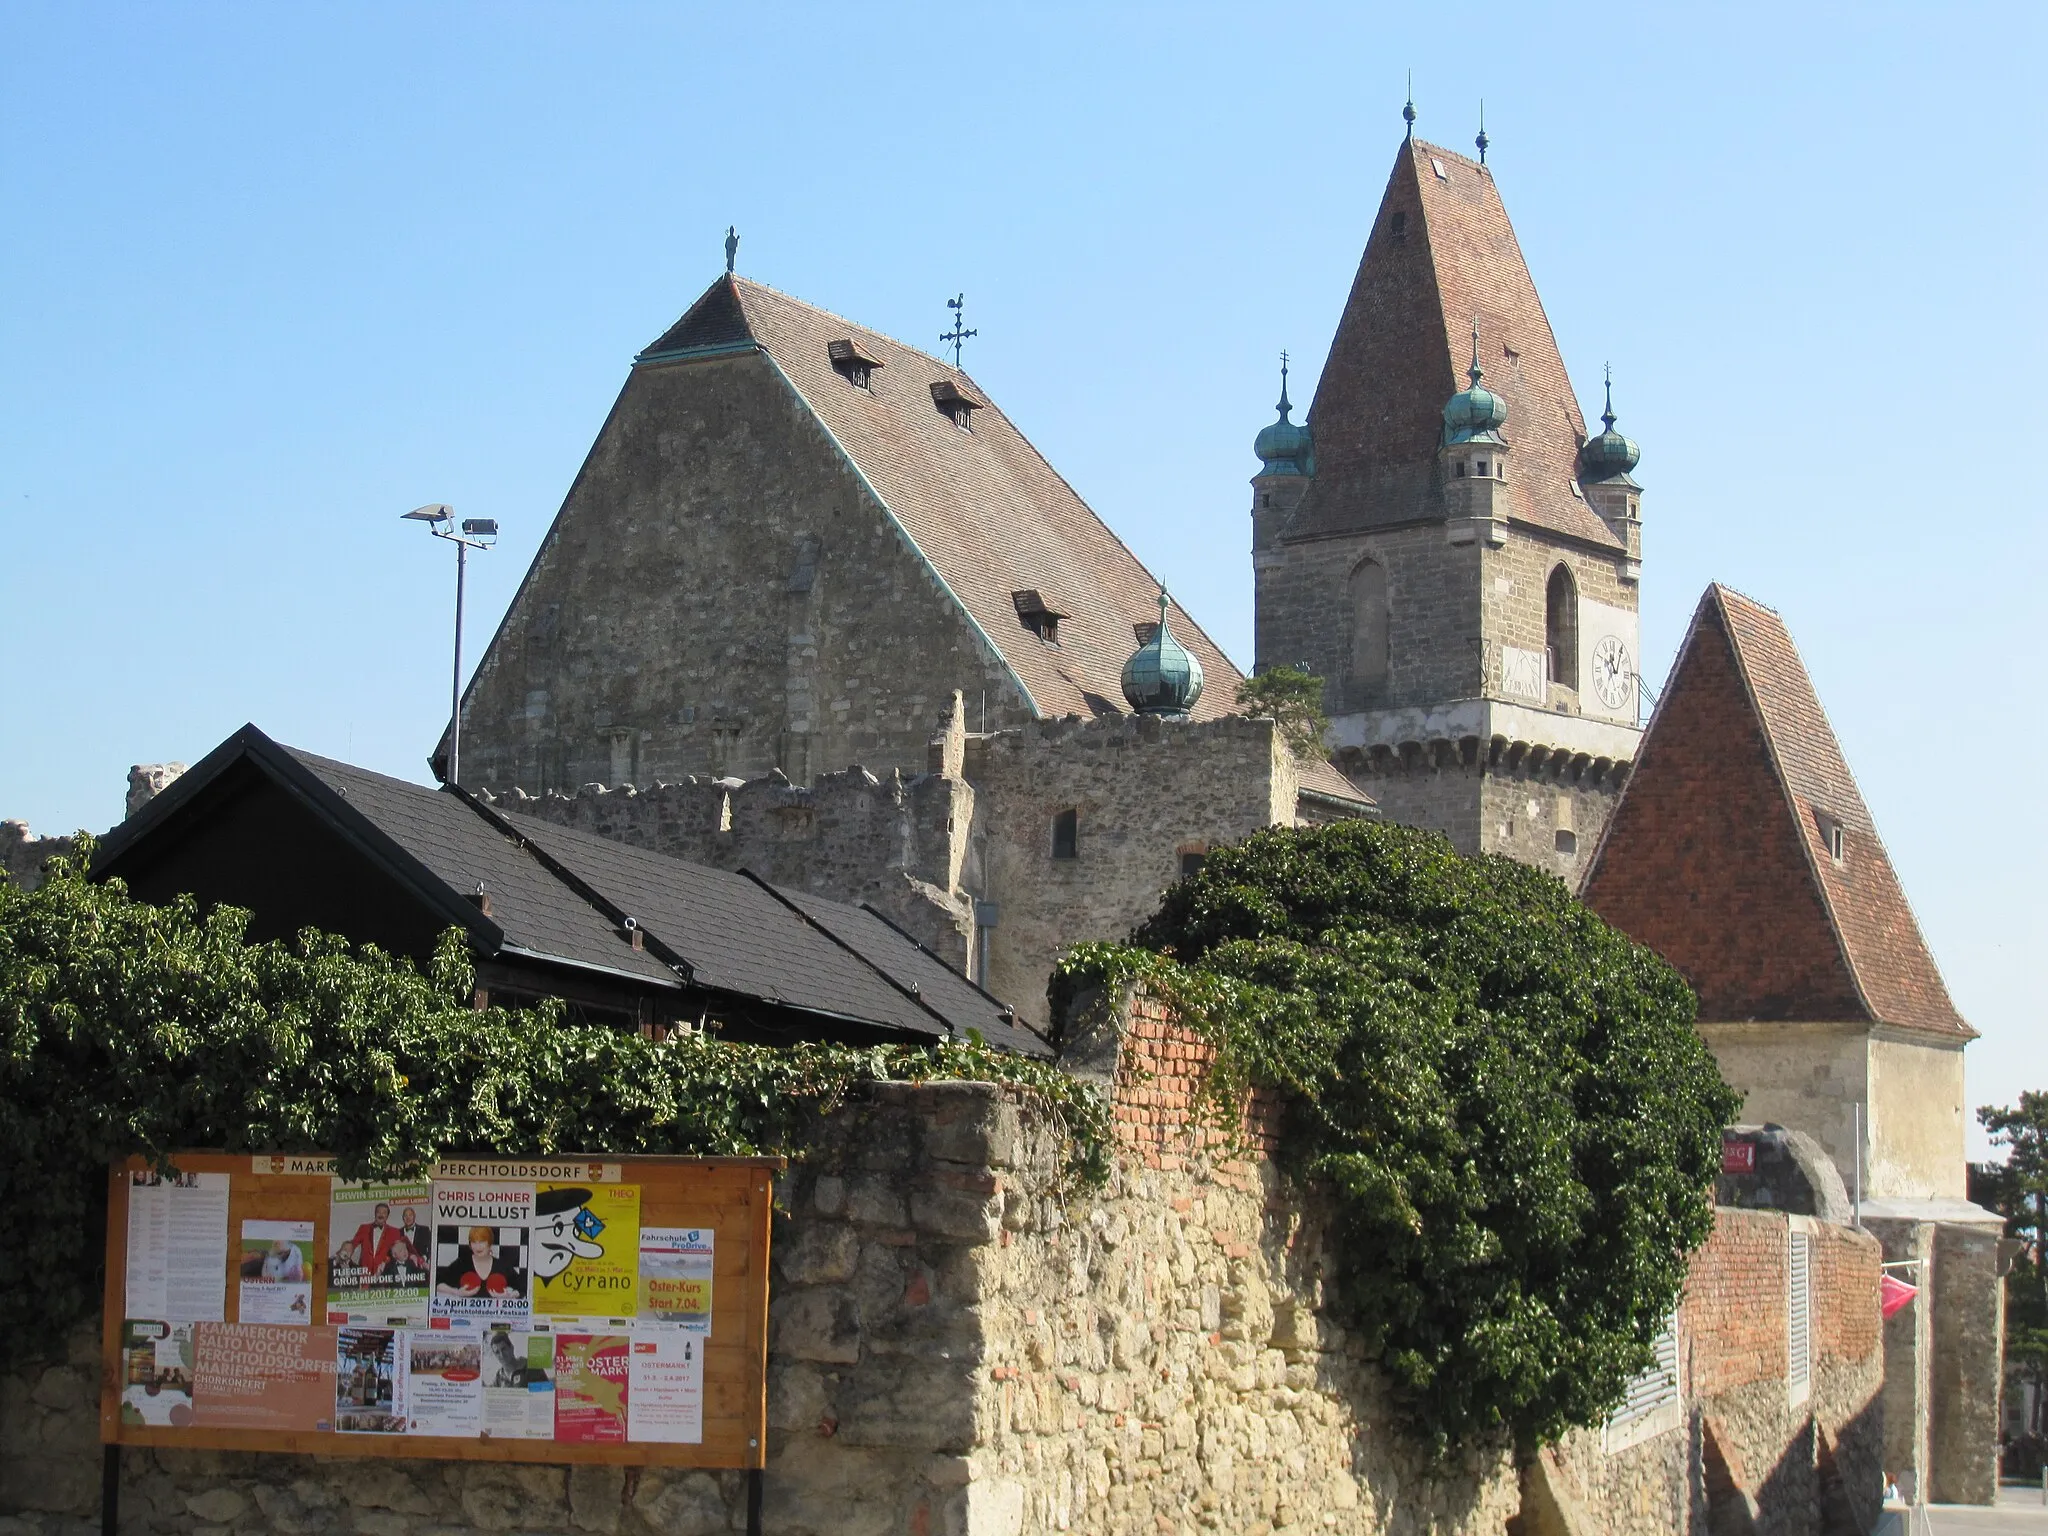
[1561, 627]
[1369, 623]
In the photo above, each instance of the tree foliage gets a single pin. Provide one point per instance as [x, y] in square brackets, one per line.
[1504, 1096]
[1294, 698]
[2018, 1190]
[130, 1028]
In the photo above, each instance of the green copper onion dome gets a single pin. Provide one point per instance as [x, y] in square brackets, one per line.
[1284, 447]
[1161, 678]
[1474, 411]
[1610, 456]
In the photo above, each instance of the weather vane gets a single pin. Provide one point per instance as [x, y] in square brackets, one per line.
[732, 244]
[959, 334]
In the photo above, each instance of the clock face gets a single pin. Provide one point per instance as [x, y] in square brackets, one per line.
[1614, 672]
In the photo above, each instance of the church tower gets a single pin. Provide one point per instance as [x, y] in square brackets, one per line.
[1459, 565]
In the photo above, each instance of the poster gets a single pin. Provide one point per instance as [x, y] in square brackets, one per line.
[585, 1245]
[254, 1376]
[665, 1387]
[480, 1235]
[444, 1389]
[156, 1373]
[277, 1272]
[592, 1373]
[177, 1246]
[379, 1247]
[519, 1385]
[675, 1277]
[369, 1382]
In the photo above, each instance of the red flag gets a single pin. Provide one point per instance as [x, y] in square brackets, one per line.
[1893, 1294]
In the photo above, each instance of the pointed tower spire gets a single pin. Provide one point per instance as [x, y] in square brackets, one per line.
[1481, 140]
[1408, 111]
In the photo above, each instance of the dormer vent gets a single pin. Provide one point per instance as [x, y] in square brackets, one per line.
[955, 404]
[1038, 615]
[853, 365]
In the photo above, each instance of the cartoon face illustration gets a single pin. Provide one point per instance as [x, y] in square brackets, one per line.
[564, 1229]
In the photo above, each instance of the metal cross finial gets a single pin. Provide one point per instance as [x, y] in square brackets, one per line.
[1481, 140]
[732, 245]
[1607, 416]
[1475, 373]
[1283, 407]
[1408, 111]
[959, 333]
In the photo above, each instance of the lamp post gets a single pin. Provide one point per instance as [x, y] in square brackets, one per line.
[475, 533]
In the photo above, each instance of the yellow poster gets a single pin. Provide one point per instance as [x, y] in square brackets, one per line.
[585, 1250]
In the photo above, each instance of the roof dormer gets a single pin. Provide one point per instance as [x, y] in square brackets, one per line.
[852, 363]
[955, 404]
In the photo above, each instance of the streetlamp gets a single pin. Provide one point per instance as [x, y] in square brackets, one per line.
[475, 533]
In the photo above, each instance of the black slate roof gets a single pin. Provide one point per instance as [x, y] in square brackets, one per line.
[561, 896]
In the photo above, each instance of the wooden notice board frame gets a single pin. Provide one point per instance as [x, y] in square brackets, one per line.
[732, 1196]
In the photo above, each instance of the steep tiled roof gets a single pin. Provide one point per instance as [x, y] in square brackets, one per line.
[983, 507]
[986, 511]
[1442, 256]
[1717, 855]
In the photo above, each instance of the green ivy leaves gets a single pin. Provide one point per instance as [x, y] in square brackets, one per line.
[130, 1028]
[1504, 1096]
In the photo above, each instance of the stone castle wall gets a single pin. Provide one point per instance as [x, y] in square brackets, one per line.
[961, 1347]
[962, 856]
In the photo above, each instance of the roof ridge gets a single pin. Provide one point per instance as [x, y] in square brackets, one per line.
[1736, 592]
[1424, 145]
[741, 284]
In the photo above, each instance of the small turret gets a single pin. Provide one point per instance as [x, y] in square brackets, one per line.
[1287, 463]
[1161, 678]
[1605, 463]
[1474, 458]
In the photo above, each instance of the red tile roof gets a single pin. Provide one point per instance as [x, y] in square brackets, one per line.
[1717, 855]
[983, 507]
[1442, 256]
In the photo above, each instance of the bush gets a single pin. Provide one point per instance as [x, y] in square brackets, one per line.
[130, 1028]
[1504, 1096]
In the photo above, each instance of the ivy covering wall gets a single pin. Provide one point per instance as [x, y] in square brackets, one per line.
[1505, 1097]
[131, 1028]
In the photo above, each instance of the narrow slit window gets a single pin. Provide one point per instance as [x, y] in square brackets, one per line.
[1066, 835]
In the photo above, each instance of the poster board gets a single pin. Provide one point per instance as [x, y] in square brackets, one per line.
[576, 1309]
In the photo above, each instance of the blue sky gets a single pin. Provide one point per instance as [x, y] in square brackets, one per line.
[271, 275]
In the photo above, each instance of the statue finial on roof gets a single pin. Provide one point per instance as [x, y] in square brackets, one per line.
[732, 246]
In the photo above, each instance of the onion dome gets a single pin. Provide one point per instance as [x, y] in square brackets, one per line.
[1474, 412]
[1284, 447]
[1161, 678]
[1610, 456]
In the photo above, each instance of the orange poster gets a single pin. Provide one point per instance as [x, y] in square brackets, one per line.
[263, 1376]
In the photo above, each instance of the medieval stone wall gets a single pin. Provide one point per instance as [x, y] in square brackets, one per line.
[720, 594]
[959, 1346]
[1144, 792]
[975, 833]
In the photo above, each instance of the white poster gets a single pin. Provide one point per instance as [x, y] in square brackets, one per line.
[480, 1252]
[156, 1373]
[665, 1396]
[675, 1277]
[444, 1390]
[277, 1272]
[178, 1246]
[518, 1385]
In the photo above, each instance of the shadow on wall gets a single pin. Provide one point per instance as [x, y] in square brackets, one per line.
[1823, 1483]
